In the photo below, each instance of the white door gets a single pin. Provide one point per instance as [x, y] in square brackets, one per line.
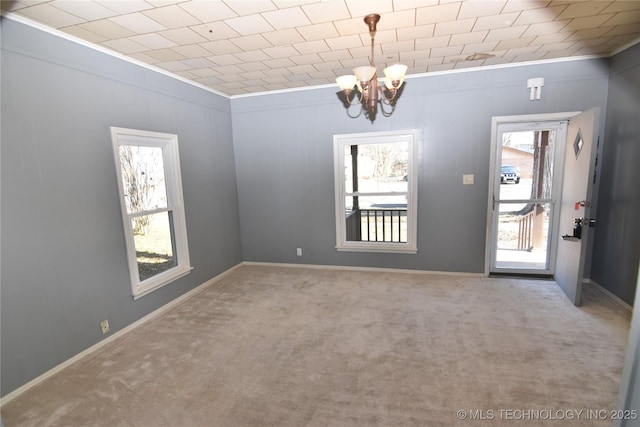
[575, 205]
[526, 189]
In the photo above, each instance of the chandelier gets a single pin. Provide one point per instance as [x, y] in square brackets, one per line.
[370, 91]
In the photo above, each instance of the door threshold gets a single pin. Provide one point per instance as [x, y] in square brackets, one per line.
[540, 276]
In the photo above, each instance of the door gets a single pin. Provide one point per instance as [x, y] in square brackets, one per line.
[526, 192]
[575, 206]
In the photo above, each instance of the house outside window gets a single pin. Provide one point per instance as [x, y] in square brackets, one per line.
[152, 206]
[376, 191]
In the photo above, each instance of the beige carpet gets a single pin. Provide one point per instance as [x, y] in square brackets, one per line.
[280, 346]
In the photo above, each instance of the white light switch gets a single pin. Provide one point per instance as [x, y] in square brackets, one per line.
[467, 179]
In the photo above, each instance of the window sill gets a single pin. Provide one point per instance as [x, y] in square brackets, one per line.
[380, 249]
[160, 281]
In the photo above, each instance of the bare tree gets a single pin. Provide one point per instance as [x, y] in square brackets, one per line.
[142, 175]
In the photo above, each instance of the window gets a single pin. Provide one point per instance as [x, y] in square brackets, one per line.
[376, 191]
[148, 170]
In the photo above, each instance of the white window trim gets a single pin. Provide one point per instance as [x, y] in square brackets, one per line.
[339, 144]
[175, 204]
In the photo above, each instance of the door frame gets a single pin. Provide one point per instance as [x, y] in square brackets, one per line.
[494, 164]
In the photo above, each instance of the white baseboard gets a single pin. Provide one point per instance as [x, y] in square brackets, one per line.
[153, 315]
[371, 269]
[610, 295]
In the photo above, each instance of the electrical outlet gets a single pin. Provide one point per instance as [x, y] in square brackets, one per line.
[104, 326]
[299, 251]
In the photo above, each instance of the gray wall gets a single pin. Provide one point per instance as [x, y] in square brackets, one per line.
[64, 267]
[284, 161]
[617, 246]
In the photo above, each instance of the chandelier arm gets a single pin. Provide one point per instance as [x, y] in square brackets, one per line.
[357, 115]
[384, 98]
[387, 113]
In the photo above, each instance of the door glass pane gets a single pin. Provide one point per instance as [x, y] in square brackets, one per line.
[526, 170]
[143, 178]
[523, 238]
[154, 241]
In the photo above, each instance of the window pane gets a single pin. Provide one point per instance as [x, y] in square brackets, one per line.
[143, 178]
[154, 242]
[376, 219]
[526, 169]
[377, 167]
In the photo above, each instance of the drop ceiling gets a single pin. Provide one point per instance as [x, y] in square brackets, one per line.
[240, 47]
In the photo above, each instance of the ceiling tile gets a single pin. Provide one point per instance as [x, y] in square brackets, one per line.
[286, 18]
[550, 38]
[172, 17]
[466, 38]
[620, 6]
[583, 8]
[534, 16]
[21, 4]
[624, 18]
[435, 14]
[412, 4]
[345, 42]
[431, 42]
[479, 47]
[416, 32]
[365, 7]
[347, 27]
[152, 41]
[247, 25]
[253, 66]
[403, 46]
[454, 27]
[474, 9]
[307, 59]
[318, 31]
[545, 28]
[207, 10]
[165, 55]
[192, 51]
[183, 36]
[505, 33]
[87, 10]
[446, 51]
[305, 68]
[519, 5]
[326, 11]
[514, 43]
[138, 23]
[248, 7]
[84, 34]
[107, 29]
[173, 66]
[253, 42]
[393, 20]
[49, 15]
[588, 22]
[215, 31]
[311, 47]
[281, 37]
[198, 63]
[495, 21]
[220, 47]
[124, 7]
[252, 56]
[161, 3]
[280, 63]
[327, 65]
[335, 55]
[228, 59]
[143, 57]
[280, 52]
[124, 46]
[204, 72]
